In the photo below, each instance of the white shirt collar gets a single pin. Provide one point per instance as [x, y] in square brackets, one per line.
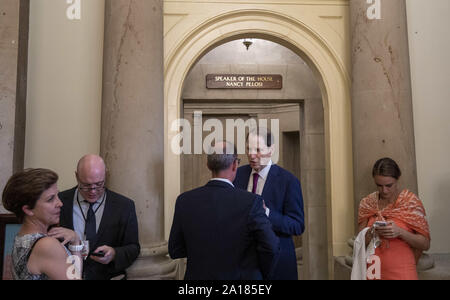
[264, 172]
[84, 202]
[223, 180]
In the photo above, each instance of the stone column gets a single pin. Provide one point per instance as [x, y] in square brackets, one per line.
[381, 94]
[14, 16]
[315, 248]
[132, 140]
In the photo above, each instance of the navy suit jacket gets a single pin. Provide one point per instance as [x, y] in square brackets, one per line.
[224, 233]
[282, 194]
[118, 229]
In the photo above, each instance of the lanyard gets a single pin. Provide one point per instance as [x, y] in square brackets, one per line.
[95, 212]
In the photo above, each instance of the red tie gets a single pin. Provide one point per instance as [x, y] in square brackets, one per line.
[255, 182]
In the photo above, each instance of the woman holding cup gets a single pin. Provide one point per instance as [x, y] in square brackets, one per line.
[32, 195]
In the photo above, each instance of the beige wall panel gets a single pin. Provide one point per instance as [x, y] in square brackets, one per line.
[64, 86]
[429, 40]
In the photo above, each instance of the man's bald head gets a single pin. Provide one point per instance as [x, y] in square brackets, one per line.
[91, 163]
[91, 171]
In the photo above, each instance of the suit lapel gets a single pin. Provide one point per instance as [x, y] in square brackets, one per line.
[270, 181]
[68, 209]
[108, 211]
[244, 177]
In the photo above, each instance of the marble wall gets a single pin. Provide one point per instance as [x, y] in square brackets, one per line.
[132, 140]
[382, 114]
[9, 57]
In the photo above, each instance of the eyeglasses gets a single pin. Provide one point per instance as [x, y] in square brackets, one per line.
[98, 186]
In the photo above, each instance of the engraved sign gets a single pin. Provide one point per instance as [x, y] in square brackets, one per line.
[240, 81]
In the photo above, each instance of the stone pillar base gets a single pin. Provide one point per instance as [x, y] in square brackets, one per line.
[342, 271]
[154, 264]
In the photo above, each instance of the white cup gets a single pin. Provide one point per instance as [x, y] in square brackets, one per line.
[85, 251]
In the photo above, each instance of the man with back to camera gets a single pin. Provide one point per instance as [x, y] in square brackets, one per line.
[282, 196]
[223, 231]
[104, 218]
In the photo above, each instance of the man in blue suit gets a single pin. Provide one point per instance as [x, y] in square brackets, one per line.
[223, 231]
[282, 196]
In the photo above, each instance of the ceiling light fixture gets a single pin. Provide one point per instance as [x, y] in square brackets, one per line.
[247, 43]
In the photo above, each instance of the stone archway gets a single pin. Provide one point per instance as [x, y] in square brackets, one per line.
[335, 87]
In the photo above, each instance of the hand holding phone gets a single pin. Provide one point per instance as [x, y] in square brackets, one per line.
[380, 223]
[99, 254]
[103, 254]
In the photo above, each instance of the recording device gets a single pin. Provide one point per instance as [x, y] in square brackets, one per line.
[99, 254]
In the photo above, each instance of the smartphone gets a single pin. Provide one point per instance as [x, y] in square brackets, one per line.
[99, 254]
[380, 223]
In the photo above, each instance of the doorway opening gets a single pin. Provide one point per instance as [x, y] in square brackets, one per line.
[297, 107]
[185, 47]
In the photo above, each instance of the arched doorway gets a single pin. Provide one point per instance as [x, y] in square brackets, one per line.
[331, 76]
[294, 108]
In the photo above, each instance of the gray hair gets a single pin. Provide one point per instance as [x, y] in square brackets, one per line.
[263, 132]
[221, 156]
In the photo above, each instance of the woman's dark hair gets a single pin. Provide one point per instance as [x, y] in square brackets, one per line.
[25, 188]
[386, 167]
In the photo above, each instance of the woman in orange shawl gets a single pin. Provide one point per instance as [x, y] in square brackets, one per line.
[406, 234]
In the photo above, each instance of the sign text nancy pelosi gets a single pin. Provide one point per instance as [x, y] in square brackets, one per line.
[215, 81]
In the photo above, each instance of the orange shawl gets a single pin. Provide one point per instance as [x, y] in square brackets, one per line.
[408, 208]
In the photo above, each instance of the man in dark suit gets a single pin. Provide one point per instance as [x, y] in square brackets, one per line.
[104, 218]
[282, 196]
[223, 231]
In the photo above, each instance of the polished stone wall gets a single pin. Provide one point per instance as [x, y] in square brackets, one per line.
[381, 95]
[13, 63]
[132, 142]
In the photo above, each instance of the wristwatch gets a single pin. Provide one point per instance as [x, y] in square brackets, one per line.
[76, 248]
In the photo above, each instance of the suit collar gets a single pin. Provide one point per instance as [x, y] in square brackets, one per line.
[271, 179]
[274, 170]
[108, 214]
[219, 183]
[67, 199]
[242, 180]
[247, 170]
[264, 172]
[222, 180]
